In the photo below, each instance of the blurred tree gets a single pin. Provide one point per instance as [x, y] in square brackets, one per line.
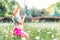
[58, 5]
[27, 11]
[33, 12]
[10, 5]
[6, 7]
[36, 13]
[56, 13]
[3, 8]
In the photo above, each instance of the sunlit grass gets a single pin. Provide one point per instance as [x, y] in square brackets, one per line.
[37, 31]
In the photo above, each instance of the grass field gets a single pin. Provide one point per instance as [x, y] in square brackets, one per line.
[37, 31]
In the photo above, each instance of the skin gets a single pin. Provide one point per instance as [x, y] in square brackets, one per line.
[20, 23]
[15, 12]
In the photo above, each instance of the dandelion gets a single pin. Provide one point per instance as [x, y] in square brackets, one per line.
[12, 32]
[28, 31]
[52, 36]
[12, 35]
[55, 39]
[8, 28]
[48, 32]
[23, 38]
[37, 38]
[5, 31]
[6, 35]
[38, 30]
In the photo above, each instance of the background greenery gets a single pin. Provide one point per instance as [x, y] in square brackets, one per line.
[37, 31]
[6, 8]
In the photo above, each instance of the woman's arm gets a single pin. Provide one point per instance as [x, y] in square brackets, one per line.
[21, 21]
[24, 17]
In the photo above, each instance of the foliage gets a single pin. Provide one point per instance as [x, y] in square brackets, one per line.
[35, 32]
[3, 8]
[6, 7]
[58, 5]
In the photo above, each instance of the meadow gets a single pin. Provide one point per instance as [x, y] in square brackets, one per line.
[37, 31]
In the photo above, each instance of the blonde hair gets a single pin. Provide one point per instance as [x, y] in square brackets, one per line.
[16, 10]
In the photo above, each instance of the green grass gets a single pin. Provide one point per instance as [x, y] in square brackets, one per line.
[37, 31]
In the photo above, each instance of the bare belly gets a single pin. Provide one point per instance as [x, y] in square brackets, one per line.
[19, 26]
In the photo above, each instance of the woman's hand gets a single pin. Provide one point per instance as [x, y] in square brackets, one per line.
[24, 15]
